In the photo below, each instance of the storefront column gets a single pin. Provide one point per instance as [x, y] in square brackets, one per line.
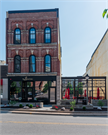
[58, 92]
[5, 91]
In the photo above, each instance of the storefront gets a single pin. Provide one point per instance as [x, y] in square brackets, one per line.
[32, 89]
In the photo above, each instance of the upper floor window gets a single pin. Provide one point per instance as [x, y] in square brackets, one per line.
[47, 63]
[17, 36]
[32, 63]
[32, 36]
[17, 64]
[47, 35]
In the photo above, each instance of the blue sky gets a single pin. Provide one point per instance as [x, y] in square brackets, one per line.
[81, 28]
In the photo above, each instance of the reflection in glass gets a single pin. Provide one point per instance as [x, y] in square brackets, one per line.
[29, 84]
[32, 35]
[17, 36]
[15, 90]
[32, 63]
[47, 35]
[47, 63]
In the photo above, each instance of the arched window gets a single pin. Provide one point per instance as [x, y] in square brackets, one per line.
[17, 64]
[32, 63]
[47, 63]
[32, 36]
[17, 36]
[47, 35]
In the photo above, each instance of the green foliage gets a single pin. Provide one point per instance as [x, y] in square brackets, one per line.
[71, 108]
[79, 87]
[27, 104]
[12, 103]
[14, 85]
[30, 105]
[84, 108]
[73, 103]
[20, 105]
[104, 13]
[64, 99]
[46, 87]
[28, 84]
[100, 103]
[70, 87]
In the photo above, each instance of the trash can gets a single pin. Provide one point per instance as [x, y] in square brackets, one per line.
[84, 102]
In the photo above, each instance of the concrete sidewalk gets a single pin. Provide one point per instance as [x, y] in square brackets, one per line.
[49, 111]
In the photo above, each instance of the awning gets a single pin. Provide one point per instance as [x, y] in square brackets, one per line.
[1, 81]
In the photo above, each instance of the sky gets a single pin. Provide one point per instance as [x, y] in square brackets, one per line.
[81, 28]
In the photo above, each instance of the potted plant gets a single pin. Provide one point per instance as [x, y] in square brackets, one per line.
[100, 103]
[72, 104]
[20, 105]
[84, 108]
[30, 106]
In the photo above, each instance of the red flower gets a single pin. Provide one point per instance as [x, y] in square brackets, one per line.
[37, 106]
[56, 107]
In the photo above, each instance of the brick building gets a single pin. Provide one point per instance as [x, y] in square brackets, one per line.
[33, 55]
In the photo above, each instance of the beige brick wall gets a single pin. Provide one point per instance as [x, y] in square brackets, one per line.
[98, 66]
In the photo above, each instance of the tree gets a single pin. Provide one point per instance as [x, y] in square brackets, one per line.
[79, 87]
[70, 87]
[105, 13]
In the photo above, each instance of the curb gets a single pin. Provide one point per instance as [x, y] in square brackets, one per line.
[58, 114]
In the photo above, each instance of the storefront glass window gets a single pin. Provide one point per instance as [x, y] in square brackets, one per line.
[15, 90]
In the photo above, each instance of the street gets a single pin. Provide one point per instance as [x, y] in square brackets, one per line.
[29, 124]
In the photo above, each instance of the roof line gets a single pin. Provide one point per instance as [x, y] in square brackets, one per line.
[33, 11]
[97, 47]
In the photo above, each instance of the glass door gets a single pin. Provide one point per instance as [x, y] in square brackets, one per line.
[29, 94]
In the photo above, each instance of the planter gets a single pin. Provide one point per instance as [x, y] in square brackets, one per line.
[40, 104]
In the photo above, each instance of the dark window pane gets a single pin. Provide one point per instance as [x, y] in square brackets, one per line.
[32, 63]
[17, 64]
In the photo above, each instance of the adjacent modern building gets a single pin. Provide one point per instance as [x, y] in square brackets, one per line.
[33, 55]
[98, 65]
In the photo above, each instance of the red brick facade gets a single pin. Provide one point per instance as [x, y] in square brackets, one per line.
[38, 20]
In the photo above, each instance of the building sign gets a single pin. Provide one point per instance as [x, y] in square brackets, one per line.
[26, 79]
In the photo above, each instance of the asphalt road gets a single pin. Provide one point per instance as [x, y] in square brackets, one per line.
[28, 124]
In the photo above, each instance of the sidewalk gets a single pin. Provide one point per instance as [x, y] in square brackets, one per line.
[49, 111]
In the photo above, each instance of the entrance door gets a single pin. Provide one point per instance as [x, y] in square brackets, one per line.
[24, 97]
[29, 94]
[52, 95]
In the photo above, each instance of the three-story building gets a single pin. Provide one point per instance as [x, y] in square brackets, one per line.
[33, 55]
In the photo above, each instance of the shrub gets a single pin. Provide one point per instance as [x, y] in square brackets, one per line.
[12, 103]
[27, 104]
[100, 103]
[20, 105]
[73, 103]
[71, 108]
[30, 105]
[84, 108]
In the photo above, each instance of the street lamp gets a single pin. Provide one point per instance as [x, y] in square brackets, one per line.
[87, 78]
